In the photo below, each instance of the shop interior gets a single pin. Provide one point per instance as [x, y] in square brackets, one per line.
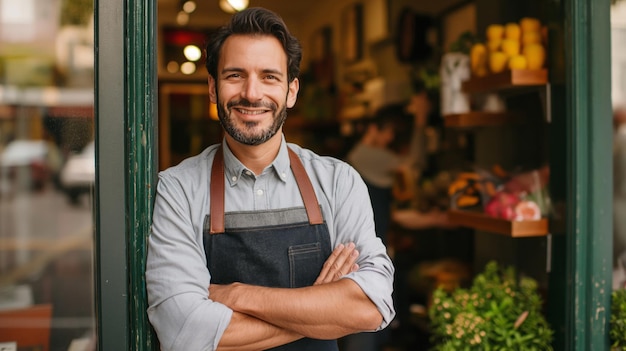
[486, 165]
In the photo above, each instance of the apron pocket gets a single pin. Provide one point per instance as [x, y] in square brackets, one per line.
[305, 264]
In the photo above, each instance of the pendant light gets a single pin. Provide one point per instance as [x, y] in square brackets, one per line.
[232, 6]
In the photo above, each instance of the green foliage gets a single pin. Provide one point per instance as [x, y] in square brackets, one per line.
[463, 43]
[425, 78]
[617, 332]
[498, 312]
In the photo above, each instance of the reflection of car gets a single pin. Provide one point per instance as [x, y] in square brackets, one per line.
[79, 173]
[23, 154]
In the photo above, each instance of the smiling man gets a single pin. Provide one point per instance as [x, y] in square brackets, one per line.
[257, 243]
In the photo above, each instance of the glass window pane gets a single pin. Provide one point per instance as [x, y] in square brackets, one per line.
[47, 173]
[618, 95]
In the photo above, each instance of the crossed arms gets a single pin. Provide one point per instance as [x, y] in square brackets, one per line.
[268, 317]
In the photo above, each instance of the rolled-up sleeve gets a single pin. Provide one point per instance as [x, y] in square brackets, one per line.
[177, 277]
[353, 221]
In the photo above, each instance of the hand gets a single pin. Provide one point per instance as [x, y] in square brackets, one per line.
[341, 262]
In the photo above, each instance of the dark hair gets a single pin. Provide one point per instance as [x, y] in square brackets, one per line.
[255, 21]
[394, 115]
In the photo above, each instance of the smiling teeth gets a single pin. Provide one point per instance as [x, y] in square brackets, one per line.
[251, 112]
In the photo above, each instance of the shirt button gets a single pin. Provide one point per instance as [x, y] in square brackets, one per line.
[283, 175]
[248, 173]
[259, 192]
[234, 178]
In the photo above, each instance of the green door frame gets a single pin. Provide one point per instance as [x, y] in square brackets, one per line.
[126, 173]
[125, 105]
[589, 221]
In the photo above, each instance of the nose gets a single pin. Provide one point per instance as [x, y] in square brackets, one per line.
[252, 89]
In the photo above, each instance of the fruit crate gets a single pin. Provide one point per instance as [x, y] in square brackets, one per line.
[481, 119]
[484, 222]
[506, 80]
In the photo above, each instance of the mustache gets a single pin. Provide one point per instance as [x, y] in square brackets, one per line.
[246, 103]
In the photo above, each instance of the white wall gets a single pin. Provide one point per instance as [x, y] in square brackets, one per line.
[618, 53]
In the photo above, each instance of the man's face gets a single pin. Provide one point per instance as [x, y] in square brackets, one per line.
[251, 90]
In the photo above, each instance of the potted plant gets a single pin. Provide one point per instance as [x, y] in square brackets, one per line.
[500, 311]
[617, 331]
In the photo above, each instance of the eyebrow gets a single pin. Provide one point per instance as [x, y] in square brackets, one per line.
[266, 71]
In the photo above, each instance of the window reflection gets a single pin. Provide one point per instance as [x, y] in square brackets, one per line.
[47, 172]
[618, 97]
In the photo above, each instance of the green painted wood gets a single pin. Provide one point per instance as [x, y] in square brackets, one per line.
[589, 185]
[141, 167]
[125, 102]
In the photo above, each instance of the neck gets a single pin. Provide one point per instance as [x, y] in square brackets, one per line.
[255, 157]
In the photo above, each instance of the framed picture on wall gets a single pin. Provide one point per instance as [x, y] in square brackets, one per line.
[352, 33]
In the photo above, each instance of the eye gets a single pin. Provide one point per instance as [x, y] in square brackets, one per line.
[271, 77]
[233, 75]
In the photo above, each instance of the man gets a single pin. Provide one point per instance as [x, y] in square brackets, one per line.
[382, 164]
[240, 251]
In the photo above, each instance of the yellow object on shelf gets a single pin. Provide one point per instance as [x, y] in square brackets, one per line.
[495, 32]
[478, 59]
[531, 38]
[518, 62]
[511, 47]
[513, 31]
[494, 45]
[535, 56]
[497, 61]
[530, 24]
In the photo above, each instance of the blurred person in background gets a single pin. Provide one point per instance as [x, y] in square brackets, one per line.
[390, 164]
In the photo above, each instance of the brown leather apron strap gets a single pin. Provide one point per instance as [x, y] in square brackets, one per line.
[306, 189]
[217, 191]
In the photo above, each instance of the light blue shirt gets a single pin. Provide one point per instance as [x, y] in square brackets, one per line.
[177, 277]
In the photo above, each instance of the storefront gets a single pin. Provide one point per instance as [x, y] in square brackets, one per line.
[576, 251]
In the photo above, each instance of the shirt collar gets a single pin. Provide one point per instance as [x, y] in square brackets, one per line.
[234, 169]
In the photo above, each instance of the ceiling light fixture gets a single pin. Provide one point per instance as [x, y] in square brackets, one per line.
[189, 6]
[192, 53]
[182, 18]
[232, 6]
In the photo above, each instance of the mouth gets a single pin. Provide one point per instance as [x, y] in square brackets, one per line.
[250, 112]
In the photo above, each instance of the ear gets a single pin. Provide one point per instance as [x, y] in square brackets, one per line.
[212, 90]
[292, 94]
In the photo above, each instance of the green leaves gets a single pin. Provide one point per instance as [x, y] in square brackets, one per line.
[498, 312]
[617, 331]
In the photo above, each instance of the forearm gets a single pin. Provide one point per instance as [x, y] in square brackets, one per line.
[249, 333]
[325, 311]
[417, 148]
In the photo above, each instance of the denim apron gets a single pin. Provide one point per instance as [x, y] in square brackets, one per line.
[283, 248]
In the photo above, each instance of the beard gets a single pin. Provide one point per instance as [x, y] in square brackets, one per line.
[248, 134]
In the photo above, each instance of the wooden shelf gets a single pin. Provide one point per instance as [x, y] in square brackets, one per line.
[514, 229]
[506, 80]
[480, 119]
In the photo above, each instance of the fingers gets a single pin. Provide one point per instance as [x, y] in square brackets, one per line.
[340, 262]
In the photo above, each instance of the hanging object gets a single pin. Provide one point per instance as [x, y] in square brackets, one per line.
[232, 6]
